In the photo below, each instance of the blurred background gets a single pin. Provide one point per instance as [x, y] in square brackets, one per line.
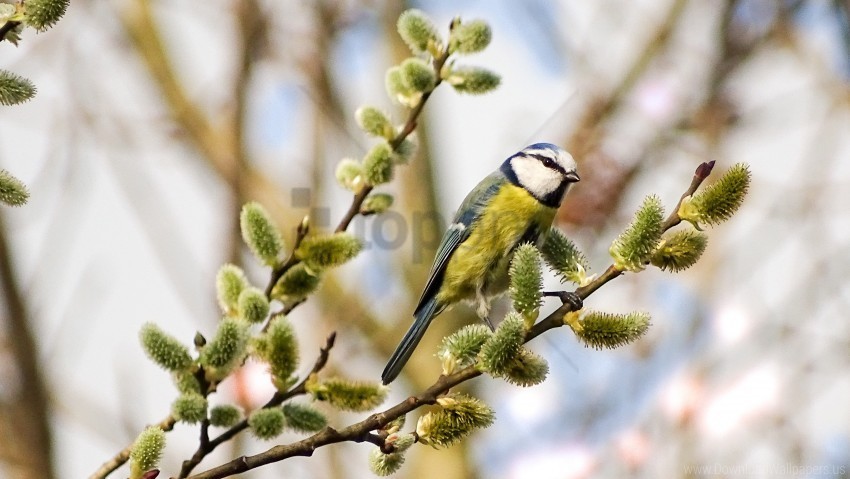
[155, 121]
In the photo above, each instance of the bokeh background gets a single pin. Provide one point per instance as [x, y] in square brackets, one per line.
[155, 121]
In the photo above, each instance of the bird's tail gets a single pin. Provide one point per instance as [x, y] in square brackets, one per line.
[422, 318]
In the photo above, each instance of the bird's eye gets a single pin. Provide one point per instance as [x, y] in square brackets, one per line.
[548, 163]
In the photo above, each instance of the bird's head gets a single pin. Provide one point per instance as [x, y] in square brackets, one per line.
[544, 170]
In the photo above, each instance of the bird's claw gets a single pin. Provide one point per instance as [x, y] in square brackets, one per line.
[567, 297]
[573, 300]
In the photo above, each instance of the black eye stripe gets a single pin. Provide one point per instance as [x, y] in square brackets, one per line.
[549, 163]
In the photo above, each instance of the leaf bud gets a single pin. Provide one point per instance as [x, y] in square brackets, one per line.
[631, 250]
[166, 351]
[267, 423]
[146, 451]
[190, 408]
[417, 30]
[472, 80]
[15, 89]
[374, 122]
[253, 306]
[321, 252]
[12, 191]
[260, 234]
[470, 37]
[378, 165]
[224, 415]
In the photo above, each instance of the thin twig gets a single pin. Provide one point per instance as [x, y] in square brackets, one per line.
[409, 126]
[702, 172]
[358, 199]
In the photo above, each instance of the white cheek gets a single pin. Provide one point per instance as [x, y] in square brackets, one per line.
[535, 177]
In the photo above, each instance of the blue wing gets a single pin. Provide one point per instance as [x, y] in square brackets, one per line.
[458, 232]
[428, 307]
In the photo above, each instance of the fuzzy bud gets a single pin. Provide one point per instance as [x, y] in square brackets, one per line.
[564, 258]
[385, 464]
[718, 201]
[374, 122]
[267, 423]
[471, 37]
[680, 251]
[166, 351]
[229, 284]
[526, 369]
[526, 283]
[398, 90]
[186, 382]
[15, 89]
[605, 330]
[461, 348]
[378, 165]
[395, 425]
[418, 31]
[303, 418]
[278, 347]
[224, 415]
[253, 305]
[43, 14]
[296, 284]
[472, 80]
[260, 234]
[502, 347]
[349, 174]
[146, 451]
[376, 203]
[12, 191]
[632, 248]
[321, 252]
[417, 75]
[459, 416]
[190, 408]
[354, 396]
[226, 349]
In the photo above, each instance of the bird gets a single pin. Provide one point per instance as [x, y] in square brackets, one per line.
[515, 204]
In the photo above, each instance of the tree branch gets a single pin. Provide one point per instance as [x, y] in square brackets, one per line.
[360, 196]
[361, 431]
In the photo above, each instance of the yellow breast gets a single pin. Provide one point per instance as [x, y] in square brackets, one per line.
[480, 263]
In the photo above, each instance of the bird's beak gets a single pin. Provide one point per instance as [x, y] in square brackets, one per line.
[572, 177]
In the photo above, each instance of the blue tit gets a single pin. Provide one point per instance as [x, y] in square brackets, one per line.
[516, 204]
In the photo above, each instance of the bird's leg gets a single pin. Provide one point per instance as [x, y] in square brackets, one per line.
[483, 309]
[489, 323]
[567, 297]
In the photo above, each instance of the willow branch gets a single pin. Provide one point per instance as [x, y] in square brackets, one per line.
[362, 431]
[359, 432]
[358, 199]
